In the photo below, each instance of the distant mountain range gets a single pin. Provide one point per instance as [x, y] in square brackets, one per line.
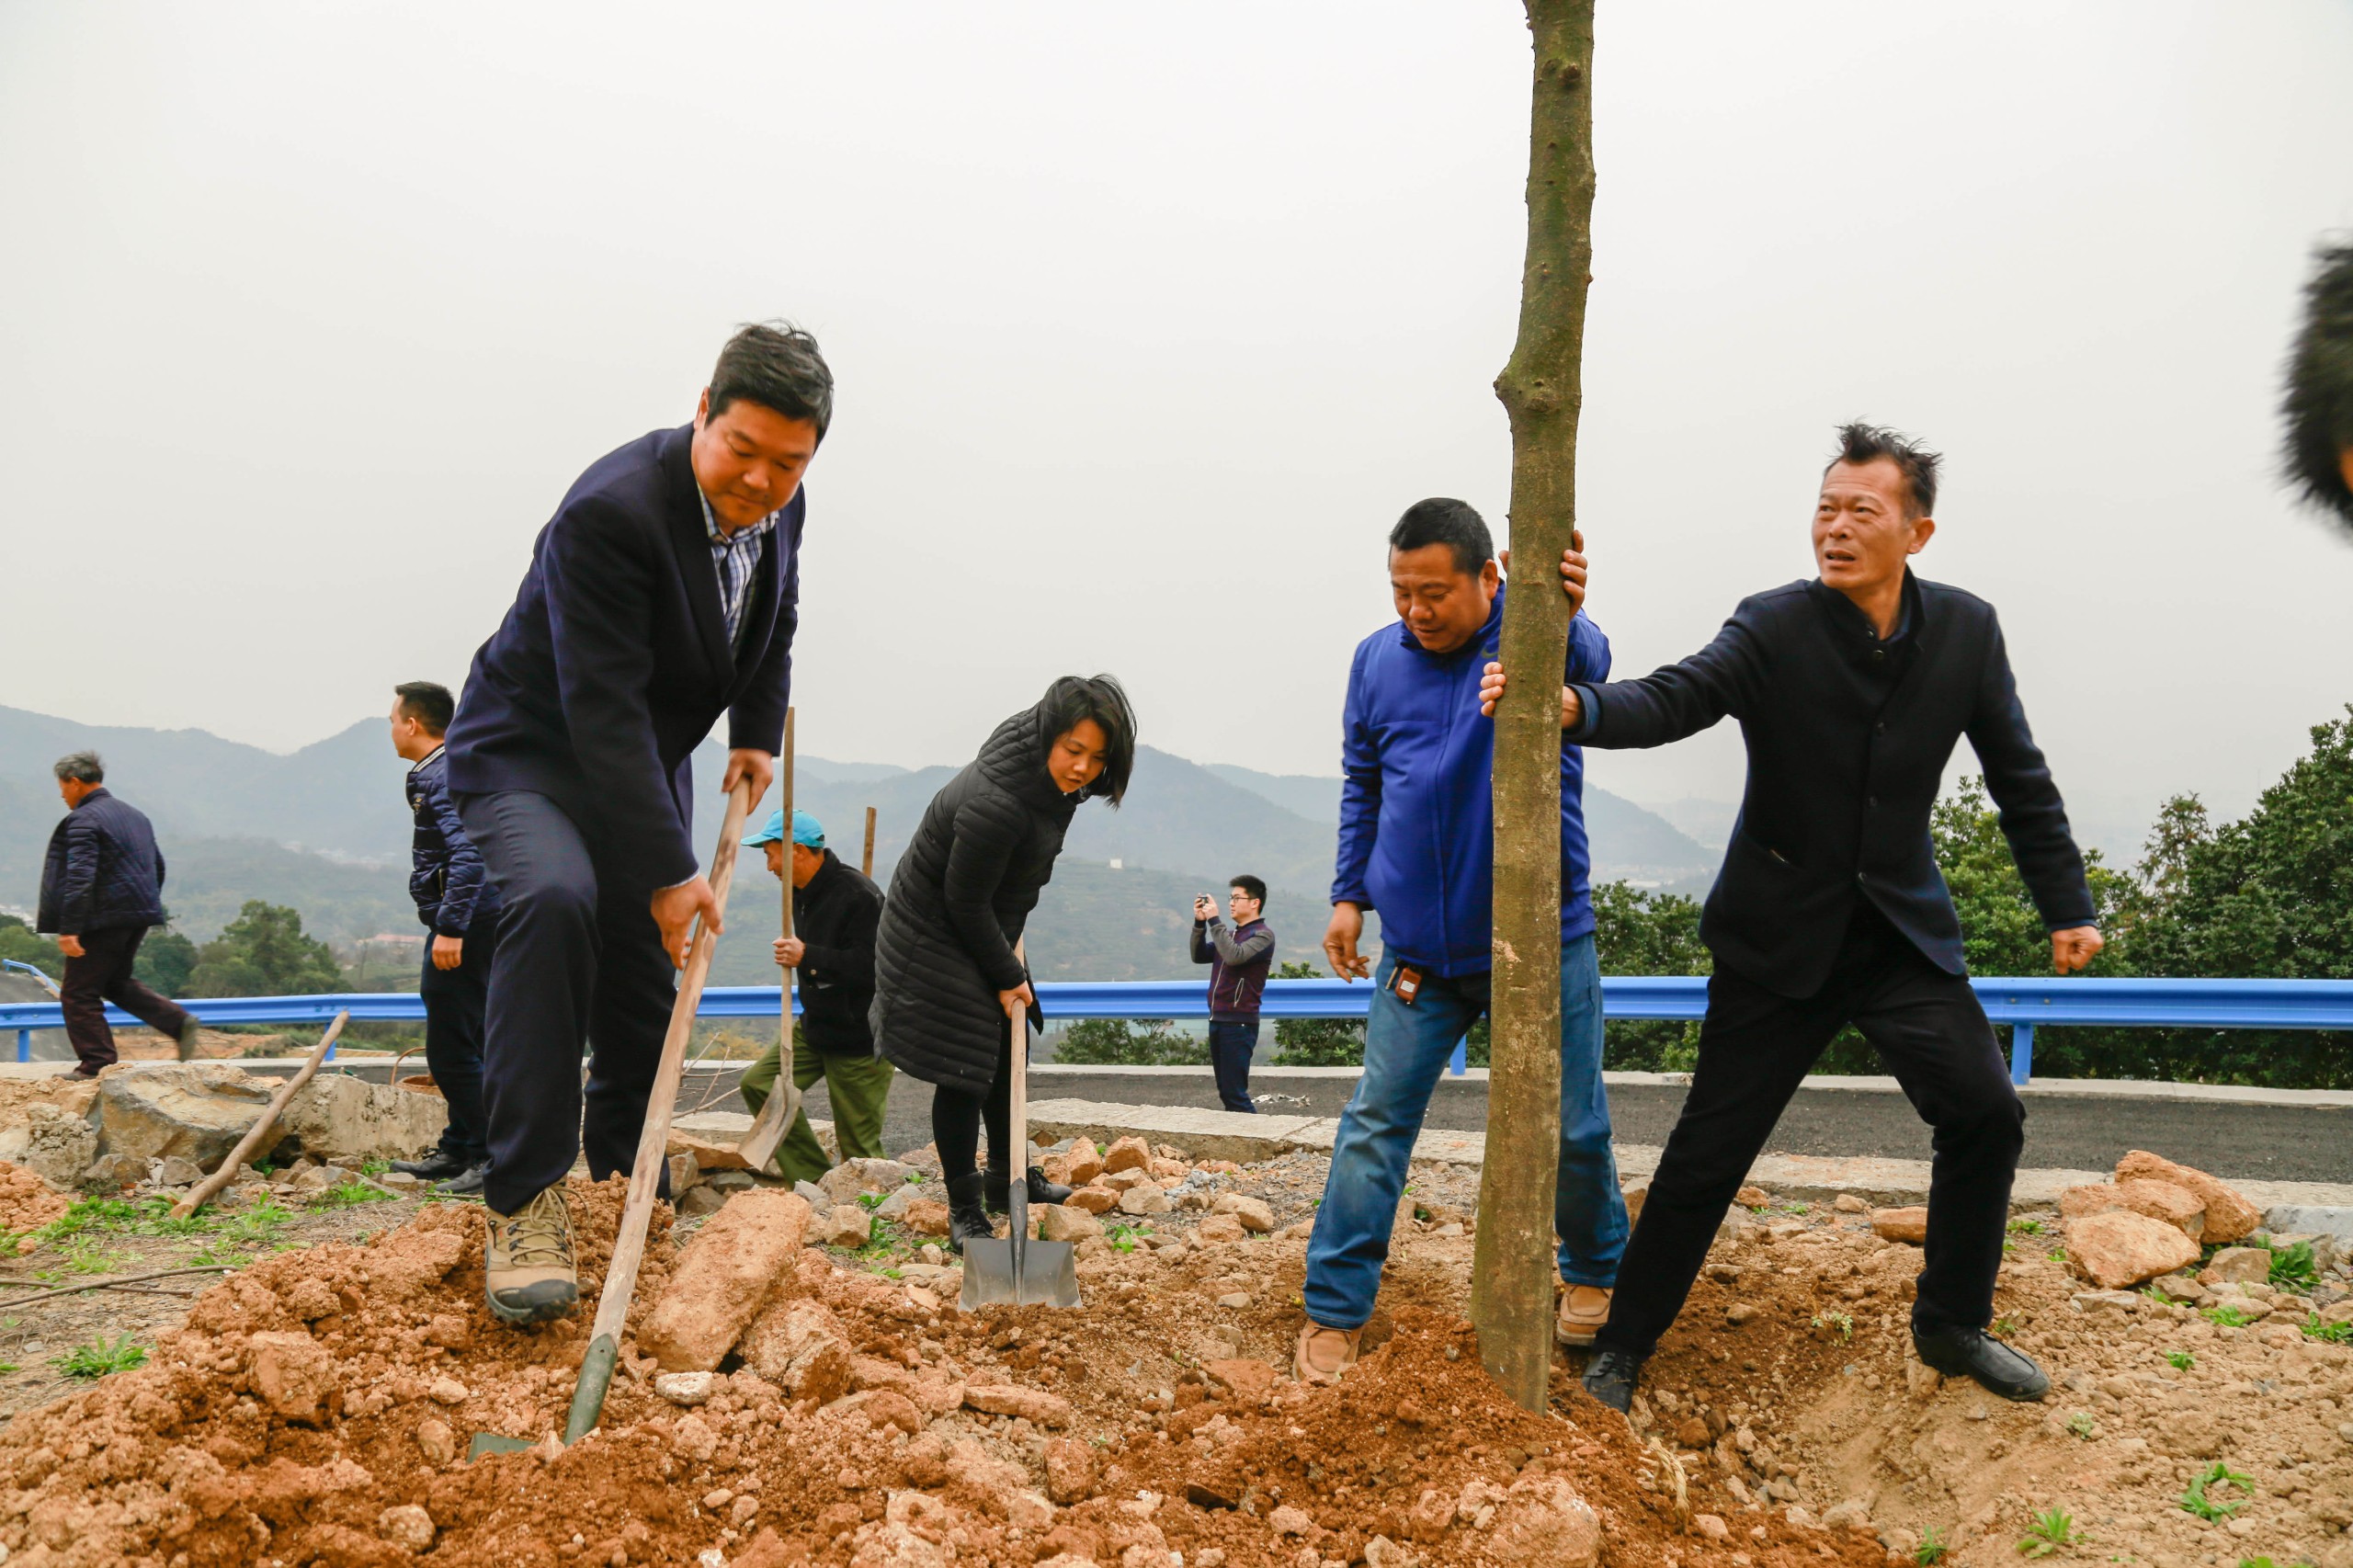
[325, 829]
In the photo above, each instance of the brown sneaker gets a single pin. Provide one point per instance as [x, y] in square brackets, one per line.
[528, 1273]
[1323, 1354]
[1584, 1309]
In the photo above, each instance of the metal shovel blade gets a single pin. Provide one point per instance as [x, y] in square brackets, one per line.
[1017, 1271]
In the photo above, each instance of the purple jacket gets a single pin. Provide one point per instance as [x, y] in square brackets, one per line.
[1238, 962]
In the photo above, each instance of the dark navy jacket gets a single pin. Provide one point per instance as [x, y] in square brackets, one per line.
[103, 872]
[614, 663]
[445, 876]
[1848, 740]
[1417, 822]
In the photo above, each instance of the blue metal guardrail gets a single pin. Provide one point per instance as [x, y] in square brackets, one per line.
[2025, 1004]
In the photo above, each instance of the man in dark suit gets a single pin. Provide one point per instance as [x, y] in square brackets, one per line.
[101, 887]
[1851, 690]
[663, 593]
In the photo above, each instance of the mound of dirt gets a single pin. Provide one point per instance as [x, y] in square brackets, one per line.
[26, 1202]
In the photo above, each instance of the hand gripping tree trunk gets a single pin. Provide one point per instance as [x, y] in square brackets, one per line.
[1511, 1289]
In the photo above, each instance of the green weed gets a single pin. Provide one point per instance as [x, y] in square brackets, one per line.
[2180, 1361]
[2083, 1425]
[98, 1356]
[2053, 1530]
[2026, 1227]
[1932, 1547]
[350, 1194]
[870, 1201]
[2057, 1255]
[2200, 1498]
[374, 1167]
[2005, 1327]
[2293, 1268]
[2224, 1317]
[1842, 1324]
[2328, 1333]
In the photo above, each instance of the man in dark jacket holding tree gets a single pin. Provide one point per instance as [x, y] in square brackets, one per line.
[1851, 690]
[834, 910]
[662, 595]
[455, 901]
[101, 888]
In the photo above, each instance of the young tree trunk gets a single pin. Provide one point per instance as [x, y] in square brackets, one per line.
[1511, 1289]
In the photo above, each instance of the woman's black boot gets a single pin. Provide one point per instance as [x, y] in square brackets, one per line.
[1041, 1190]
[967, 1217]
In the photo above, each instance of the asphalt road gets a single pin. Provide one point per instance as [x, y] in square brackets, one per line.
[2247, 1141]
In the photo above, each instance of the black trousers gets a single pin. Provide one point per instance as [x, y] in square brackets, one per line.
[103, 974]
[1232, 1044]
[957, 1115]
[455, 1003]
[579, 965]
[1754, 1050]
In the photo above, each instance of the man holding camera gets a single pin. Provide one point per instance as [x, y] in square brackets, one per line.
[1238, 962]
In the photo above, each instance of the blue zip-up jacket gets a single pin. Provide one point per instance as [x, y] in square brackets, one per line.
[1417, 823]
[446, 874]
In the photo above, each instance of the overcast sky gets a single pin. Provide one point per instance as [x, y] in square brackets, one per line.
[1147, 322]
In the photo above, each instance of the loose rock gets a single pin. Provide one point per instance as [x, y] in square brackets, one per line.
[2229, 1216]
[726, 1274]
[1127, 1154]
[1909, 1226]
[2118, 1248]
[405, 1526]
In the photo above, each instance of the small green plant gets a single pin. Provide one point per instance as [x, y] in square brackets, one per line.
[2293, 1268]
[1123, 1237]
[2005, 1327]
[2026, 1227]
[2328, 1333]
[374, 1167]
[2057, 1255]
[1932, 1547]
[1797, 1208]
[2254, 1563]
[350, 1194]
[870, 1200]
[2224, 1317]
[86, 1254]
[97, 1358]
[2082, 1425]
[2180, 1361]
[2052, 1530]
[2201, 1499]
[1842, 1324]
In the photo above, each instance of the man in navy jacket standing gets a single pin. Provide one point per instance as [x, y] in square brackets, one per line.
[1851, 690]
[1417, 845]
[662, 594]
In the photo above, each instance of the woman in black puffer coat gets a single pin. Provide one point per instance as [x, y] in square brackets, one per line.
[946, 979]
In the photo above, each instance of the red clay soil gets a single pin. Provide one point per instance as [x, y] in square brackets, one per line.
[26, 1202]
[315, 1408]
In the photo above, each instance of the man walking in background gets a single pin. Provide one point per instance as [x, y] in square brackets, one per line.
[834, 912]
[457, 904]
[1417, 843]
[101, 888]
[1238, 962]
[1851, 690]
[662, 595]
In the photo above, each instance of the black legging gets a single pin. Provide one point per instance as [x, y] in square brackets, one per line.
[957, 1116]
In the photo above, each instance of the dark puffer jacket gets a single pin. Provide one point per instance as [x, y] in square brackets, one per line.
[958, 902]
[104, 870]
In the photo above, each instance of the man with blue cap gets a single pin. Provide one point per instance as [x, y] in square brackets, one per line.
[834, 912]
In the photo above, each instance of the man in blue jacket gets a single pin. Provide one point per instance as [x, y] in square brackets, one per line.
[662, 594]
[101, 887]
[1418, 844]
[455, 901]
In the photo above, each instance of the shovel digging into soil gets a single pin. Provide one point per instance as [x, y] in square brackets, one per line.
[1018, 1271]
[645, 1175]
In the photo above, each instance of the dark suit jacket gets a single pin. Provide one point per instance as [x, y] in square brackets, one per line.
[103, 869]
[613, 663]
[1844, 766]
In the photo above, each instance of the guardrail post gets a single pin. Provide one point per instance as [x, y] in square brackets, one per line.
[1459, 1061]
[24, 1045]
[2021, 1053]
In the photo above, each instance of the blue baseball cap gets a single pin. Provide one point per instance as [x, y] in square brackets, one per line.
[806, 830]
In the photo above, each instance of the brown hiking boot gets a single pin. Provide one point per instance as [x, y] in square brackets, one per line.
[528, 1273]
[1323, 1354]
[1584, 1309]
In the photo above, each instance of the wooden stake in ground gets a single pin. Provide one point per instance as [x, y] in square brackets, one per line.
[204, 1192]
[783, 1107]
[866, 861]
[1542, 389]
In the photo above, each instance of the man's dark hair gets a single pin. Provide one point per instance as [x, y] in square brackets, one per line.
[2319, 400]
[1251, 887]
[428, 702]
[775, 365]
[82, 767]
[1074, 698]
[1862, 443]
[1442, 520]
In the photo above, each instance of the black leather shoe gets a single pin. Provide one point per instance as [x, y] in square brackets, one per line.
[439, 1165]
[465, 1184]
[1970, 1353]
[1041, 1191]
[1609, 1377]
[967, 1217]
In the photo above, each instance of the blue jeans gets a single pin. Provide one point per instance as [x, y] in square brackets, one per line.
[1405, 1049]
[1230, 1047]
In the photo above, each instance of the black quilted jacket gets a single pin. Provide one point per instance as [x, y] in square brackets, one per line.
[958, 902]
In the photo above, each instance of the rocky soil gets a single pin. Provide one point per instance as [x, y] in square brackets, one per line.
[800, 1387]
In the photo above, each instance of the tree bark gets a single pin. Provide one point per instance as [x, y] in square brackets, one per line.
[1542, 391]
